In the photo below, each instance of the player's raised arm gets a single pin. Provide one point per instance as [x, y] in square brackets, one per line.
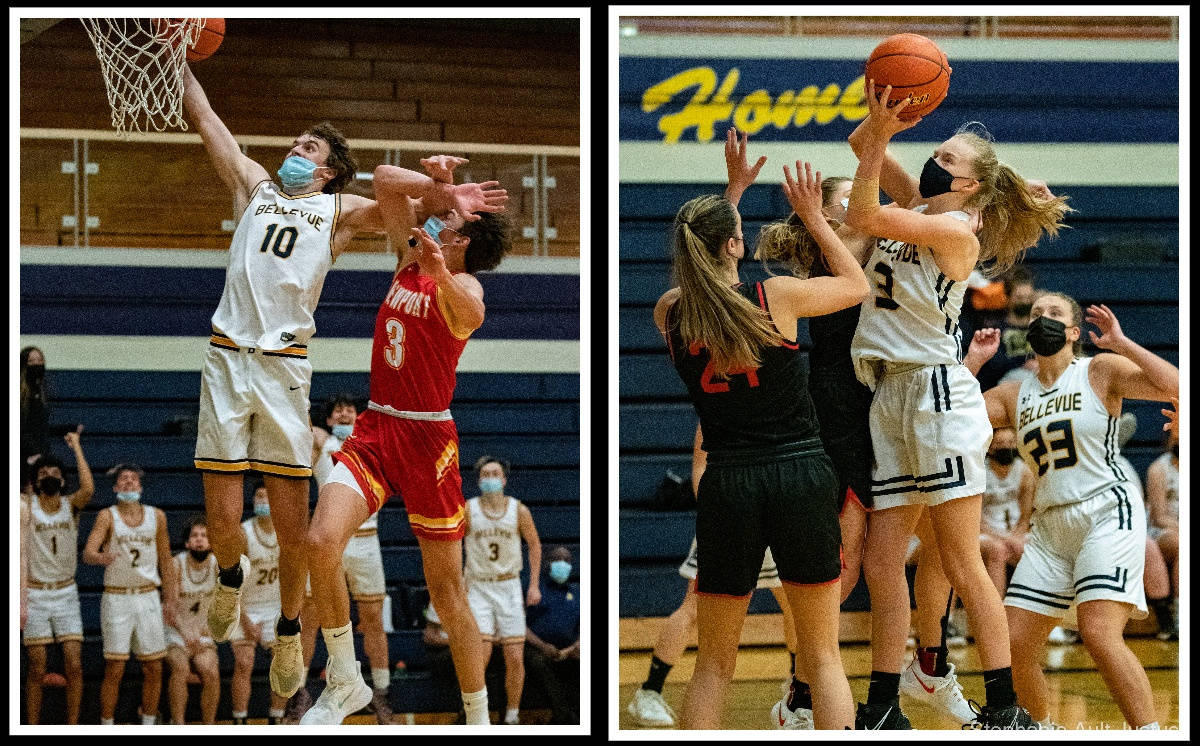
[238, 172]
[459, 295]
[406, 197]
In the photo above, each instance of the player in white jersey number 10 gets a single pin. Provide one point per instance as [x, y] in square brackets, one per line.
[1086, 553]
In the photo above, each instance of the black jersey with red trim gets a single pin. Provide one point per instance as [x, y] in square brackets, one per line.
[764, 406]
[832, 333]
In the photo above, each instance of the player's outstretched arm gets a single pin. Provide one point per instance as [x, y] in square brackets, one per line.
[87, 486]
[1134, 372]
[238, 172]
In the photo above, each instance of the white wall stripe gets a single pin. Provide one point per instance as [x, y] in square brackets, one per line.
[1059, 164]
[327, 354]
[535, 265]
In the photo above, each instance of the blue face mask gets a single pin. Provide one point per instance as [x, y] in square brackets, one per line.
[129, 497]
[491, 484]
[560, 570]
[434, 227]
[296, 171]
[341, 432]
[262, 509]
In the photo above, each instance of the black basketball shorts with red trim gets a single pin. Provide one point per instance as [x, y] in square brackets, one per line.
[843, 408]
[415, 459]
[747, 503]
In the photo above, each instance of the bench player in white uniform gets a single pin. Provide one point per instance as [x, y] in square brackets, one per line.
[190, 645]
[1007, 506]
[130, 540]
[52, 598]
[259, 607]
[929, 426]
[496, 524]
[363, 563]
[1085, 555]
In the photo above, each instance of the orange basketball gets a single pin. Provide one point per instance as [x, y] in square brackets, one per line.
[913, 66]
[211, 37]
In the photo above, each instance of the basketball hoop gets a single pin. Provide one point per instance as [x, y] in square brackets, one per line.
[142, 63]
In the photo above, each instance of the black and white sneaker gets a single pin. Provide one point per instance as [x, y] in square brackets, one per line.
[880, 717]
[1013, 717]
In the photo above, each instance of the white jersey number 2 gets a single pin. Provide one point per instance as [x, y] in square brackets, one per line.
[394, 353]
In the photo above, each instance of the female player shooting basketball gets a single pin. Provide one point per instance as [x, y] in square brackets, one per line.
[1087, 548]
[929, 427]
[767, 482]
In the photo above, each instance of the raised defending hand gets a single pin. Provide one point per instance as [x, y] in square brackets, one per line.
[1172, 423]
[1105, 320]
[804, 192]
[886, 122]
[741, 174]
[984, 344]
[429, 254]
[72, 439]
[441, 167]
[472, 198]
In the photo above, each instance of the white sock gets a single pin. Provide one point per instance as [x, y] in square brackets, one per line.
[380, 678]
[275, 712]
[1150, 726]
[147, 719]
[387, 614]
[510, 715]
[106, 721]
[340, 644]
[475, 705]
[239, 715]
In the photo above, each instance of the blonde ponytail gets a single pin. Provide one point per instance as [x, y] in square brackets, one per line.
[709, 310]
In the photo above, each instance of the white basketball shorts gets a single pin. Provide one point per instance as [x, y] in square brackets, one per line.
[498, 608]
[175, 639]
[53, 616]
[930, 432]
[254, 414]
[1094, 549]
[363, 563]
[132, 622]
[265, 617]
[768, 576]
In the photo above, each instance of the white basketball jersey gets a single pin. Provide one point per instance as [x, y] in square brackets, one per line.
[260, 588]
[195, 591]
[1068, 439]
[493, 544]
[280, 253]
[136, 564]
[912, 314]
[1001, 504]
[324, 466]
[1171, 471]
[52, 556]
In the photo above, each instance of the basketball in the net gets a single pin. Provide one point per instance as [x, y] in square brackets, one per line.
[209, 40]
[211, 37]
[913, 66]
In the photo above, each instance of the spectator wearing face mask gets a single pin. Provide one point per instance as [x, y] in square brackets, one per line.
[35, 417]
[552, 639]
[1007, 507]
[1013, 352]
[52, 603]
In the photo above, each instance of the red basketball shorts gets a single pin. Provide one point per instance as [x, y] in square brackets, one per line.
[415, 459]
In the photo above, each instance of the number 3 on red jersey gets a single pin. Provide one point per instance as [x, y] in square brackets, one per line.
[394, 352]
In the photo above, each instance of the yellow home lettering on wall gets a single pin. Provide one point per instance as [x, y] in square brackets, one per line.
[711, 104]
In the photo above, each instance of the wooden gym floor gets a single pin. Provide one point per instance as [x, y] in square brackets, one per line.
[1079, 698]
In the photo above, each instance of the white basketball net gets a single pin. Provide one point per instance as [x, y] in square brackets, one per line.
[142, 62]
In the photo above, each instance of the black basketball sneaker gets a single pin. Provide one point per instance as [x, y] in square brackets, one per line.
[880, 717]
[1013, 717]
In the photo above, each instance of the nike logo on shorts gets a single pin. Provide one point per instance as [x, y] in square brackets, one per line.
[292, 388]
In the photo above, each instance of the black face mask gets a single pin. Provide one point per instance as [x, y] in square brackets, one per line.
[1022, 309]
[935, 180]
[35, 373]
[49, 486]
[1046, 336]
[1003, 456]
[200, 554]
